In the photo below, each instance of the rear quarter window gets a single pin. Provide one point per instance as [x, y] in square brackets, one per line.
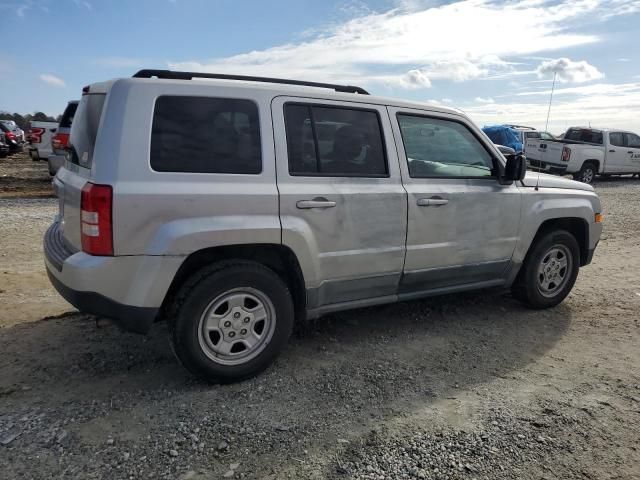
[206, 135]
[67, 116]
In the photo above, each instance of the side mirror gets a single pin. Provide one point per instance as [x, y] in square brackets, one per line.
[516, 168]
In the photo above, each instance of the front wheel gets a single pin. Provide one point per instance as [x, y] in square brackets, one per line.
[587, 173]
[549, 270]
[230, 320]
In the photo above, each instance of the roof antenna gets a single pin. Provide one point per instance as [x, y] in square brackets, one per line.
[546, 125]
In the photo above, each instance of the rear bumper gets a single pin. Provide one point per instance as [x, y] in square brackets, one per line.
[132, 319]
[55, 162]
[127, 289]
[547, 167]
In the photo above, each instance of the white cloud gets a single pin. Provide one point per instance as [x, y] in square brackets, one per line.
[484, 100]
[52, 80]
[602, 105]
[415, 44]
[569, 71]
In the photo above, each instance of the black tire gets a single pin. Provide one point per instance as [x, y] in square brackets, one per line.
[527, 287]
[198, 295]
[587, 173]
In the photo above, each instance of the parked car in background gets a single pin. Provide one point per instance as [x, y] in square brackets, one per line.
[505, 135]
[4, 148]
[203, 202]
[39, 137]
[61, 138]
[14, 136]
[585, 152]
[17, 131]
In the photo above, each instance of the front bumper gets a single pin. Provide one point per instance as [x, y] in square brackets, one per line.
[127, 289]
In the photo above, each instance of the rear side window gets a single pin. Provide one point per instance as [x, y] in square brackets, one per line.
[334, 141]
[533, 134]
[617, 139]
[206, 135]
[584, 135]
[67, 116]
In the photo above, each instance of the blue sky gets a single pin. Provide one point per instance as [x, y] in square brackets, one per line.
[493, 59]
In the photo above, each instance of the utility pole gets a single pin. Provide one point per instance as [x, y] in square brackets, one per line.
[553, 86]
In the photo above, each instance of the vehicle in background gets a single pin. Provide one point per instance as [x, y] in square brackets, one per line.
[233, 209]
[4, 148]
[61, 138]
[16, 130]
[585, 152]
[13, 137]
[39, 137]
[504, 135]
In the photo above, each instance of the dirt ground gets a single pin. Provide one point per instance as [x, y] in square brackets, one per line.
[462, 387]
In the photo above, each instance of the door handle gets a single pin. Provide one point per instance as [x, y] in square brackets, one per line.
[630, 151]
[612, 151]
[432, 202]
[315, 203]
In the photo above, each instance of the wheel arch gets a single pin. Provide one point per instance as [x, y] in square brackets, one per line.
[278, 258]
[577, 226]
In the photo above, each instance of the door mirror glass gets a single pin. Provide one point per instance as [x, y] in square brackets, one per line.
[516, 168]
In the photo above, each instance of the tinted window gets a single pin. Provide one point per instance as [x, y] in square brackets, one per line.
[205, 135]
[442, 148]
[67, 116]
[633, 140]
[617, 139]
[584, 135]
[533, 134]
[334, 141]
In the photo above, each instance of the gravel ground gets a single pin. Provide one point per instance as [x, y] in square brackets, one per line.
[468, 386]
[22, 177]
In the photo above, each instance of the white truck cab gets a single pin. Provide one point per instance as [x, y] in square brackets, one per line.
[586, 152]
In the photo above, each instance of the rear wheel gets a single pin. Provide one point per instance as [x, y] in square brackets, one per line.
[549, 271]
[230, 321]
[587, 173]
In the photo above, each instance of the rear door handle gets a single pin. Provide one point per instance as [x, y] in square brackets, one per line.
[630, 151]
[315, 203]
[432, 202]
[612, 151]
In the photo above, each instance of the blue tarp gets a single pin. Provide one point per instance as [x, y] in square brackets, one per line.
[503, 135]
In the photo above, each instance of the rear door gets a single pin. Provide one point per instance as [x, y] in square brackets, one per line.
[342, 204]
[462, 223]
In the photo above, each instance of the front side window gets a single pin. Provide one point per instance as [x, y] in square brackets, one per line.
[617, 139]
[334, 141]
[206, 135]
[633, 140]
[442, 148]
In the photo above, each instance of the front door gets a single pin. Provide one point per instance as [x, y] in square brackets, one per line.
[616, 159]
[633, 153]
[343, 209]
[462, 223]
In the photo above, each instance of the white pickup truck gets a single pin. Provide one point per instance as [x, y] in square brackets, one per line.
[587, 152]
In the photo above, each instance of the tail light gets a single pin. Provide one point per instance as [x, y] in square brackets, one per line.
[10, 135]
[60, 141]
[96, 221]
[566, 154]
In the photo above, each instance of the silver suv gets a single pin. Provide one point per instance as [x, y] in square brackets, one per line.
[234, 206]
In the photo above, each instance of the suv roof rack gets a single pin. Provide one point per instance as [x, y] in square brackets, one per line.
[519, 126]
[176, 75]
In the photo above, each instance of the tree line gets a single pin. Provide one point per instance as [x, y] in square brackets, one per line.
[23, 120]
